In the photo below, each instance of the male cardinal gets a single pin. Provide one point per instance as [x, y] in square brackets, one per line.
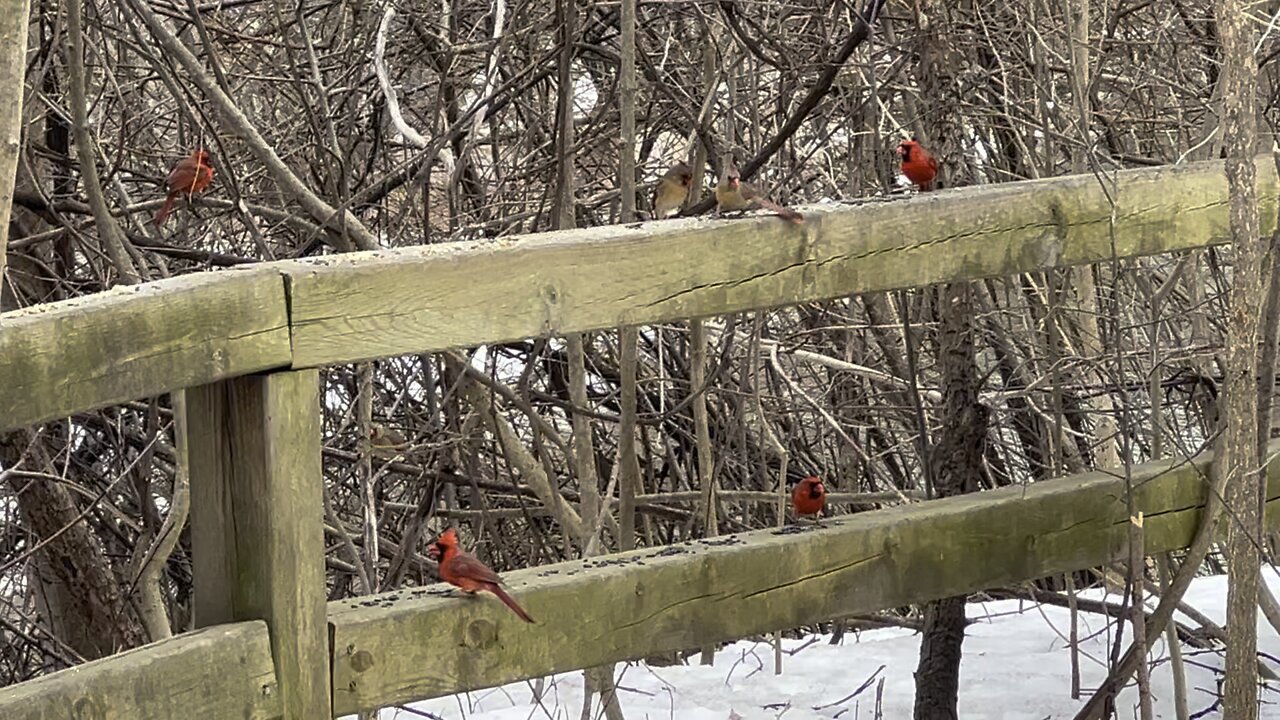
[191, 175]
[733, 194]
[463, 570]
[918, 164]
[672, 189]
[809, 496]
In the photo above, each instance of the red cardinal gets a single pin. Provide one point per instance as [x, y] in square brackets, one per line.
[191, 175]
[809, 497]
[463, 570]
[918, 164]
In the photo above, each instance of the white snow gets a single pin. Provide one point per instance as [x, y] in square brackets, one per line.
[1016, 666]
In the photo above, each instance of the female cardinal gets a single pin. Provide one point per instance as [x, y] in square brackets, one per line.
[387, 442]
[463, 570]
[189, 176]
[733, 194]
[672, 189]
[809, 496]
[918, 164]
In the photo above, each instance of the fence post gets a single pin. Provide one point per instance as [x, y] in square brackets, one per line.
[257, 522]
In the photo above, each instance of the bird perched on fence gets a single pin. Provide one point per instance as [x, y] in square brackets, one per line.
[918, 164]
[733, 194]
[190, 176]
[809, 497]
[672, 189]
[464, 571]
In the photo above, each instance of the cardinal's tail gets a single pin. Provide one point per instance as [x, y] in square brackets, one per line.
[783, 212]
[164, 209]
[510, 602]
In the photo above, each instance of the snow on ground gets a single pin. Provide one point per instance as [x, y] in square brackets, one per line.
[1016, 667]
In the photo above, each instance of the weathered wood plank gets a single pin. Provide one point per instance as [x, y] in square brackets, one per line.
[257, 521]
[419, 643]
[218, 672]
[365, 305]
[137, 341]
[141, 340]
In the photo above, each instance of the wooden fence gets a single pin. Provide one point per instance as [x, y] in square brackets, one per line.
[244, 345]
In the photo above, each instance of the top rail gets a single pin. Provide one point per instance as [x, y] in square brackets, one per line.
[137, 341]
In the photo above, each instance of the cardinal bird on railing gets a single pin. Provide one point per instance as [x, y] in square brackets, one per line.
[464, 571]
[190, 176]
[733, 194]
[809, 497]
[671, 190]
[918, 164]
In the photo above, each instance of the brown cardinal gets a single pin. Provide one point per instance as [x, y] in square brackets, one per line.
[808, 497]
[733, 194]
[386, 442]
[918, 164]
[191, 175]
[463, 570]
[672, 189]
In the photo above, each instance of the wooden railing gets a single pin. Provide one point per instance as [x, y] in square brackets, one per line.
[138, 341]
[412, 644]
[244, 345]
[217, 672]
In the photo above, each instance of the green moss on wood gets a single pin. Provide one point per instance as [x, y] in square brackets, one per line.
[420, 299]
[137, 341]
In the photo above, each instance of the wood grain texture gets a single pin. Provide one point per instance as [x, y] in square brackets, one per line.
[137, 341]
[421, 643]
[142, 340]
[257, 521]
[366, 305]
[219, 672]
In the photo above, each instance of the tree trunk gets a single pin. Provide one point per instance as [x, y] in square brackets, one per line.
[80, 596]
[13, 65]
[955, 462]
[1240, 402]
[628, 460]
[957, 466]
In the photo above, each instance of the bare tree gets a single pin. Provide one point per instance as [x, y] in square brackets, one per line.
[955, 460]
[1244, 479]
[14, 16]
[489, 119]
